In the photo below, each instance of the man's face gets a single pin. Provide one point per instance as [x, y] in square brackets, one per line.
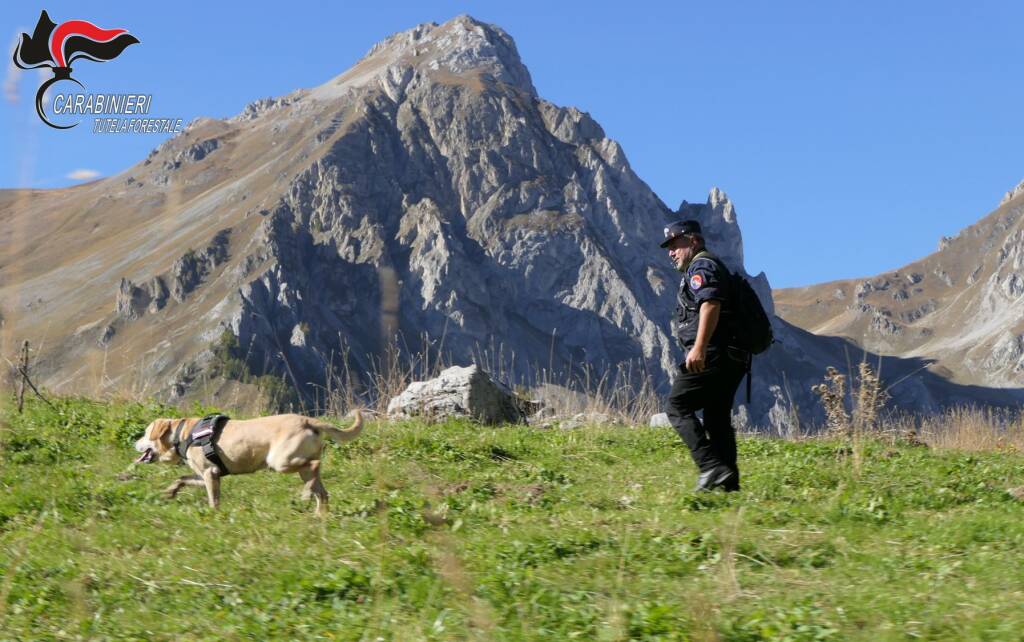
[682, 249]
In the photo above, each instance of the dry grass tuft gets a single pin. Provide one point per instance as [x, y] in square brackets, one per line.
[832, 395]
[624, 396]
[870, 399]
[966, 428]
[867, 399]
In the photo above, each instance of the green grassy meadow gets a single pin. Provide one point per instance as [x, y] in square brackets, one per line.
[456, 532]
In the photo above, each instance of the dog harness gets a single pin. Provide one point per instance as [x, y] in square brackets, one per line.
[205, 435]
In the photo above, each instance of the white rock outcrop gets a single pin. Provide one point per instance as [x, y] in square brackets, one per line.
[459, 392]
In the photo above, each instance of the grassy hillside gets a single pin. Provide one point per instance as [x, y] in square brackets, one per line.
[460, 532]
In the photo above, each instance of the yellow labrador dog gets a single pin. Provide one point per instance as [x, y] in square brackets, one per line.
[284, 443]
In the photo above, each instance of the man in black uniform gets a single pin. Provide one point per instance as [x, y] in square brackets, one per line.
[712, 371]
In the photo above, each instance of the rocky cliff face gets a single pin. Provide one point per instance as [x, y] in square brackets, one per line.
[426, 192]
[458, 204]
[427, 197]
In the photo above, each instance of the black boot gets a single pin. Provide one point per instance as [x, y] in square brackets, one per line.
[721, 476]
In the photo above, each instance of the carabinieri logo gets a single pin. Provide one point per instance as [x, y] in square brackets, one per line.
[57, 46]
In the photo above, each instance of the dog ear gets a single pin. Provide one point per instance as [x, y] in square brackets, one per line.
[161, 430]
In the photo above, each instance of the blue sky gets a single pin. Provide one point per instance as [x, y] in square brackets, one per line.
[850, 135]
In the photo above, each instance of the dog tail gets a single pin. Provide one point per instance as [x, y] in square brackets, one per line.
[340, 436]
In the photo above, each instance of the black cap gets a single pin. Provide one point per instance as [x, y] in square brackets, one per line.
[678, 229]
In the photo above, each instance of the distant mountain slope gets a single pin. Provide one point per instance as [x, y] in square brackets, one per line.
[961, 307]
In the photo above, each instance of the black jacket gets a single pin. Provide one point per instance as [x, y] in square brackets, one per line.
[706, 279]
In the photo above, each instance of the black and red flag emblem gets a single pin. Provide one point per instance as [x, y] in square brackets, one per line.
[57, 46]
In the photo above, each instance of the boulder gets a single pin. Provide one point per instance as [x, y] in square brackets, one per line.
[660, 420]
[459, 392]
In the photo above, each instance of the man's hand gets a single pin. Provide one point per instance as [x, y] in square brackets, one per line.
[709, 311]
[695, 360]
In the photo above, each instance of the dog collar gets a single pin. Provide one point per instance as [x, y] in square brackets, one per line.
[181, 447]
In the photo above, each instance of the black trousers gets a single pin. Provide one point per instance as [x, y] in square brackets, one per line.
[713, 441]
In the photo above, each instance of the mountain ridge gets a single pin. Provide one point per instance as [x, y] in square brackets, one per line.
[425, 197]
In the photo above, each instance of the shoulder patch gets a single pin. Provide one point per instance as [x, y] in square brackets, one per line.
[696, 281]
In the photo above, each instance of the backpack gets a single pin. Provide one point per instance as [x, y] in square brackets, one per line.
[751, 326]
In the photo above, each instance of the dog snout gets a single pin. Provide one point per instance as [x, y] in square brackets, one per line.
[143, 444]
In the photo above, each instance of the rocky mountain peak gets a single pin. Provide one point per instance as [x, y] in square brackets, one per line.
[460, 48]
[719, 201]
[718, 221]
[717, 218]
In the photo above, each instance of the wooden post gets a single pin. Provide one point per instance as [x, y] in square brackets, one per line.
[23, 371]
